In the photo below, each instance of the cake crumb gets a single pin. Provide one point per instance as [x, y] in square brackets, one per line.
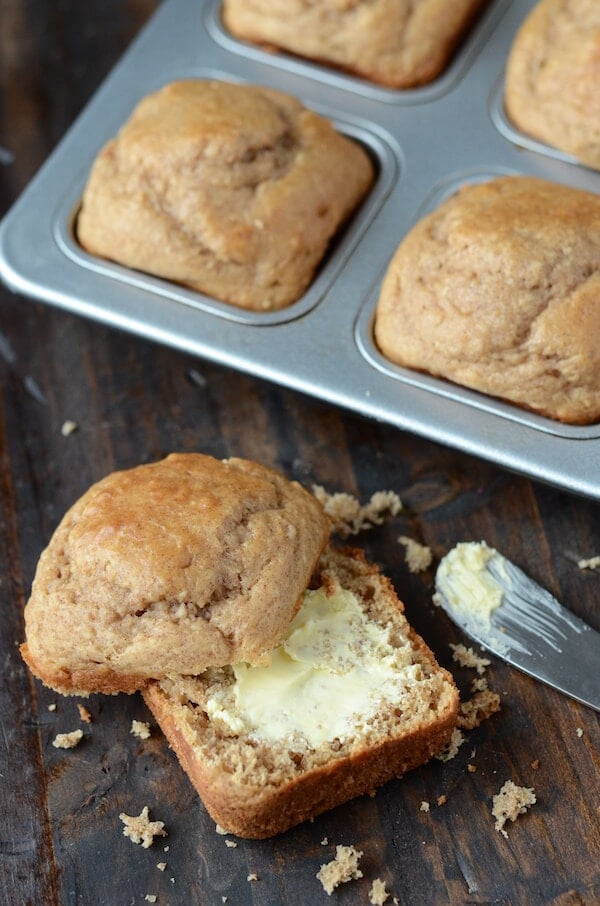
[140, 728]
[67, 740]
[150, 898]
[535, 764]
[252, 877]
[477, 709]
[442, 800]
[220, 830]
[341, 869]
[349, 516]
[378, 894]
[510, 802]
[324, 841]
[231, 844]
[466, 657]
[579, 731]
[140, 829]
[418, 556]
[479, 684]
[451, 748]
[472, 768]
[52, 706]
[589, 563]
[425, 807]
[161, 866]
[68, 427]
[84, 714]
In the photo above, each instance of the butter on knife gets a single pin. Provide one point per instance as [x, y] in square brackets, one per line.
[506, 612]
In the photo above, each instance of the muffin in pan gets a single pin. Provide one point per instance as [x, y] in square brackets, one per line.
[233, 190]
[498, 290]
[396, 43]
[552, 89]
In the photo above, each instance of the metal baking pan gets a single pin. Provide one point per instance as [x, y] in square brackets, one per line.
[425, 142]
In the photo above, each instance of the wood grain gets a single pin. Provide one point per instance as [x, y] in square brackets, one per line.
[61, 840]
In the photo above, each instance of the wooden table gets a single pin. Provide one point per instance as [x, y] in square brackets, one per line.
[61, 840]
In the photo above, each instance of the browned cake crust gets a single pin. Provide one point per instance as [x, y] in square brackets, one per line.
[552, 88]
[397, 43]
[233, 190]
[499, 290]
[169, 568]
[256, 788]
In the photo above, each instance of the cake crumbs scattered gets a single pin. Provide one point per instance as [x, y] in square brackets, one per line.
[418, 556]
[68, 427]
[378, 894]
[477, 709]
[231, 844]
[52, 706]
[425, 807]
[579, 731]
[442, 800]
[589, 563]
[67, 740]
[84, 714]
[341, 869]
[466, 657]
[161, 866]
[140, 728]
[140, 829]
[451, 748]
[349, 516]
[510, 802]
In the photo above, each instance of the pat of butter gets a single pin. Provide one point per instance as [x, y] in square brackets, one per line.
[465, 582]
[330, 675]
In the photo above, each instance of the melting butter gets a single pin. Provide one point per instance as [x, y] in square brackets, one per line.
[329, 676]
[466, 583]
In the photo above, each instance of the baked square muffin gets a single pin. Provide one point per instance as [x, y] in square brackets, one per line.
[169, 568]
[552, 89]
[499, 290]
[231, 189]
[397, 43]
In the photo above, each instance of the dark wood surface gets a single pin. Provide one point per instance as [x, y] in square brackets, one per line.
[61, 840]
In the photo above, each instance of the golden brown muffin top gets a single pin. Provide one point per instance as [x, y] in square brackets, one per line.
[169, 568]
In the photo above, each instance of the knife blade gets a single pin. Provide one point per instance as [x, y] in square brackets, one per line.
[506, 612]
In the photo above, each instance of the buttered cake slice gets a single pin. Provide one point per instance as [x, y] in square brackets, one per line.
[351, 698]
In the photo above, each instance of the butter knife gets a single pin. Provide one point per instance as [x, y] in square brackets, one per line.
[502, 609]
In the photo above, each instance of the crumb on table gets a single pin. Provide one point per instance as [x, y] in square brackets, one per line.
[418, 556]
[349, 516]
[466, 657]
[343, 868]
[378, 894]
[510, 802]
[140, 829]
[140, 728]
[67, 740]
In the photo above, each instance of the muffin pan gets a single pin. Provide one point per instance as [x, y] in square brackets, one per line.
[425, 142]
